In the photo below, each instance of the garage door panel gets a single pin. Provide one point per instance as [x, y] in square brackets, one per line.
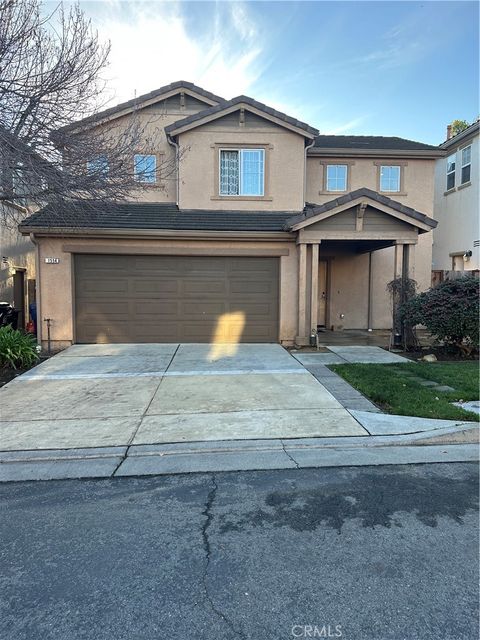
[176, 298]
[108, 286]
[154, 286]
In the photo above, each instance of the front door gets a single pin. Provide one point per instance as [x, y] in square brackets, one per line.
[322, 293]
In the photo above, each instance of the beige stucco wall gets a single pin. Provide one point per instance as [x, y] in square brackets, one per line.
[418, 180]
[284, 171]
[152, 121]
[57, 280]
[457, 211]
[418, 192]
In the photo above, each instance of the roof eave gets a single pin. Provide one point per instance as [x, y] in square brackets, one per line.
[462, 136]
[142, 102]
[387, 153]
[149, 233]
[187, 124]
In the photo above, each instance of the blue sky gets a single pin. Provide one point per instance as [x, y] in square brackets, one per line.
[379, 68]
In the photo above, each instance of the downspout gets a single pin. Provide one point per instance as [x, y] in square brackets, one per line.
[37, 288]
[309, 146]
[177, 168]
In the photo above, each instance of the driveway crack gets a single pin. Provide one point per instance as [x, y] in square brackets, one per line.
[289, 455]
[208, 513]
[132, 438]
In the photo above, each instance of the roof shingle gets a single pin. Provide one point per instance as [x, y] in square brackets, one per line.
[313, 210]
[369, 142]
[154, 216]
[240, 100]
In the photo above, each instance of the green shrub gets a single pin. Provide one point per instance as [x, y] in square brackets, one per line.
[18, 350]
[449, 311]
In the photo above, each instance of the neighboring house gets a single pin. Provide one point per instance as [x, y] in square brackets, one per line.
[267, 231]
[456, 241]
[17, 253]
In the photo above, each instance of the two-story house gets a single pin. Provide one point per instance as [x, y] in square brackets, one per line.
[456, 240]
[266, 231]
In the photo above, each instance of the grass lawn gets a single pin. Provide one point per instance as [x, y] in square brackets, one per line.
[391, 387]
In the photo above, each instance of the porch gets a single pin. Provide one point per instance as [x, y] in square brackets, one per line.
[348, 252]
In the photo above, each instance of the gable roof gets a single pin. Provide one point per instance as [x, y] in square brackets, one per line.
[152, 216]
[228, 106]
[371, 145]
[312, 211]
[151, 97]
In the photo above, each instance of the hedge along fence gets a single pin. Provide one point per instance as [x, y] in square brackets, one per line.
[449, 311]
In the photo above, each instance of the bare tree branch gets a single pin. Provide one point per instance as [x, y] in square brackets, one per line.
[51, 77]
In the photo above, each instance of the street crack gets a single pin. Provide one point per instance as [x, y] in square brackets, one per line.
[208, 513]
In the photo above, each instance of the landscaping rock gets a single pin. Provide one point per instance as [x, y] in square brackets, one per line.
[430, 357]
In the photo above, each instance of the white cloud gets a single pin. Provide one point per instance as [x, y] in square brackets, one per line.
[347, 127]
[151, 46]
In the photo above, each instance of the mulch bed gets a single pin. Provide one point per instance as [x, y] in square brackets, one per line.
[7, 374]
[442, 354]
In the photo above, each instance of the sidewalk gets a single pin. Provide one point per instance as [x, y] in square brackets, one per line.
[446, 441]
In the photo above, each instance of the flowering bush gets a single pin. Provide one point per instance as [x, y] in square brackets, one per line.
[449, 311]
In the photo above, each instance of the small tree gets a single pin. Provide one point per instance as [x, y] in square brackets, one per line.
[449, 311]
[458, 126]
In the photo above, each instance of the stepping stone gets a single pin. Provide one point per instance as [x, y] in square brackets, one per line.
[429, 383]
[444, 388]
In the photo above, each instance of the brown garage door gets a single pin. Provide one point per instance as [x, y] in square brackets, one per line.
[175, 299]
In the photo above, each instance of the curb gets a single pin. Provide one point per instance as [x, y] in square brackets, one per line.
[449, 444]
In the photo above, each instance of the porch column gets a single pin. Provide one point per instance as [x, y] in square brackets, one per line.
[302, 292]
[314, 288]
[398, 261]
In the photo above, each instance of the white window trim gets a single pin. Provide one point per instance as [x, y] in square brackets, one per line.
[453, 171]
[391, 166]
[467, 164]
[346, 178]
[240, 194]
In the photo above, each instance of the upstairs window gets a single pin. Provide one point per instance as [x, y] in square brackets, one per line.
[390, 178]
[336, 177]
[466, 164]
[451, 172]
[98, 165]
[145, 168]
[242, 172]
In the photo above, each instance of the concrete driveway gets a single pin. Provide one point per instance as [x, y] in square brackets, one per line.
[113, 395]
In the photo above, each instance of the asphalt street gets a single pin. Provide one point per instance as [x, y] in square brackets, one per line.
[359, 553]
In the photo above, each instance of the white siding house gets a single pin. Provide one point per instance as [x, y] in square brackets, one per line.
[456, 239]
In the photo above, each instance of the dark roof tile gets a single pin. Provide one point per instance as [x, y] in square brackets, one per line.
[239, 100]
[152, 216]
[314, 210]
[106, 113]
[368, 142]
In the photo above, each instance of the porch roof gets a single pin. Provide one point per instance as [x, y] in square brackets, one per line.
[312, 211]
